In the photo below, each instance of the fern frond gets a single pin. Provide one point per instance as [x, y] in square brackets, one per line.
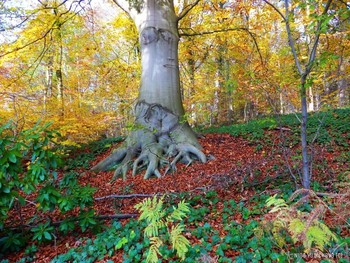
[153, 212]
[276, 231]
[314, 215]
[151, 209]
[156, 242]
[153, 252]
[151, 230]
[320, 235]
[278, 203]
[302, 226]
[152, 256]
[296, 227]
[178, 241]
[328, 232]
[179, 212]
[183, 206]
[317, 236]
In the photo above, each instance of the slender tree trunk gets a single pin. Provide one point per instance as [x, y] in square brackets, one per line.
[192, 70]
[304, 73]
[281, 103]
[342, 83]
[220, 86]
[304, 153]
[229, 95]
[311, 104]
[343, 99]
[59, 73]
[49, 81]
[49, 77]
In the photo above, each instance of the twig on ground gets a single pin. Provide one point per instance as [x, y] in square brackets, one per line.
[99, 217]
[116, 196]
[124, 196]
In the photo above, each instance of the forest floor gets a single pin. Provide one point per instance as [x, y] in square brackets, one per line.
[243, 169]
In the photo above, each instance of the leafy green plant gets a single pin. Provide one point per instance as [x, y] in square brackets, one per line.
[26, 160]
[116, 237]
[11, 242]
[302, 227]
[28, 163]
[43, 232]
[153, 212]
[87, 219]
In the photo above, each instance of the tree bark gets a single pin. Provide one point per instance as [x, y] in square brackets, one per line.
[161, 131]
[304, 153]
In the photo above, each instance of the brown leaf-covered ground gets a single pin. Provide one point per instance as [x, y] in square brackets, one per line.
[238, 169]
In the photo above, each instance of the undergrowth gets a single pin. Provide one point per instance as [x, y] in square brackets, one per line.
[31, 165]
[296, 233]
[328, 127]
[81, 156]
[249, 240]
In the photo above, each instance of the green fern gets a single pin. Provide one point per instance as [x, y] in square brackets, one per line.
[278, 227]
[318, 235]
[151, 209]
[157, 219]
[178, 241]
[152, 229]
[303, 227]
[153, 252]
[277, 203]
[180, 212]
[296, 227]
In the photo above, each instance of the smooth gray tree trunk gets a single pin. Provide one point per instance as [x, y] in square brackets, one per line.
[161, 135]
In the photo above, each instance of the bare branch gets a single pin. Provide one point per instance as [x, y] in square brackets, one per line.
[124, 196]
[27, 44]
[317, 39]
[212, 31]
[227, 30]
[52, 27]
[186, 10]
[345, 3]
[19, 24]
[289, 32]
[98, 217]
[276, 9]
[13, 95]
[291, 40]
[122, 7]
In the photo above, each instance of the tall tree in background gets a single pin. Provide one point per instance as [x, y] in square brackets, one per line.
[161, 130]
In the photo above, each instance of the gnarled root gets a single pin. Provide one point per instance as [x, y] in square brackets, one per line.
[162, 141]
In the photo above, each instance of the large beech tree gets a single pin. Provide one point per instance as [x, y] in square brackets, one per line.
[161, 135]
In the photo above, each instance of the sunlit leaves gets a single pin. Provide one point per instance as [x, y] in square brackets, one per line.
[99, 62]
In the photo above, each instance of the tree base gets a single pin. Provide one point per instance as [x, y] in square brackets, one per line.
[160, 139]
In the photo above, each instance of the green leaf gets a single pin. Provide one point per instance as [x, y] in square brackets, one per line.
[121, 243]
[47, 235]
[12, 157]
[132, 234]
[6, 190]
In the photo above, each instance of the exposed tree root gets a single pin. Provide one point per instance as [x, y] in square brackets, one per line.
[160, 139]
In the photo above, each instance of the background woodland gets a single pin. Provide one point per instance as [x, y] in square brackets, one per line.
[77, 64]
